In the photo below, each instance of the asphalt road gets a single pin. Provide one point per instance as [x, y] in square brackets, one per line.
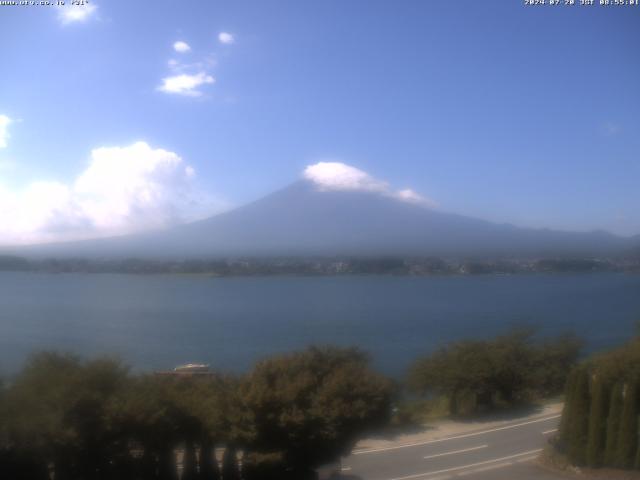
[504, 452]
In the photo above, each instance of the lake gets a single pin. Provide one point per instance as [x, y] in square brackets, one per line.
[157, 322]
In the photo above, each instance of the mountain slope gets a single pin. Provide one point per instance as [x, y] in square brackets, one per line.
[301, 220]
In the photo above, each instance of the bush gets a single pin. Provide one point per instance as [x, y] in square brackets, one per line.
[510, 369]
[93, 420]
[314, 405]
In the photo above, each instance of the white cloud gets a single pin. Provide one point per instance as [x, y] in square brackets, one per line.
[76, 13]
[410, 196]
[337, 176]
[185, 84]
[181, 47]
[4, 130]
[226, 38]
[122, 190]
[187, 78]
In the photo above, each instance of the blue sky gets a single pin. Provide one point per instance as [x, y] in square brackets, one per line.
[512, 113]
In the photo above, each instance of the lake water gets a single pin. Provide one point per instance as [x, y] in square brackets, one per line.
[157, 322]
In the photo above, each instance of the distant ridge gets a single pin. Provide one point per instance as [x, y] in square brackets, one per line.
[301, 220]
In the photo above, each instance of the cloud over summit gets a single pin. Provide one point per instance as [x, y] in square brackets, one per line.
[337, 176]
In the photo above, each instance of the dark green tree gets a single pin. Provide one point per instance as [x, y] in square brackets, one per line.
[566, 419]
[509, 369]
[60, 411]
[579, 426]
[208, 462]
[613, 424]
[613, 428]
[597, 421]
[628, 433]
[313, 405]
[230, 469]
[555, 357]
[152, 421]
[636, 463]
[460, 371]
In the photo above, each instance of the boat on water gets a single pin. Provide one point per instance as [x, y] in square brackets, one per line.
[193, 368]
[188, 369]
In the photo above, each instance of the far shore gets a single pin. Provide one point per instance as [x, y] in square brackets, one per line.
[323, 266]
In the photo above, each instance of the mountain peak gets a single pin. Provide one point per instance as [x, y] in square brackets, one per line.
[350, 217]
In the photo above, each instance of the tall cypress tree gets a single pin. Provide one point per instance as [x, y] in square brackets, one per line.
[565, 420]
[597, 422]
[189, 462]
[636, 463]
[613, 424]
[230, 469]
[628, 436]
[209, 469]
[579, 426]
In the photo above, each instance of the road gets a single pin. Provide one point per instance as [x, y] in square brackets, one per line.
[505, 452]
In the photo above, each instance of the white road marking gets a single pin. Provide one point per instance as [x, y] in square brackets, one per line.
[494, 467]
[463, 467]
[442, 477]
[550, 431]
[526, 459]
[485, 469]
[345, 469]
[474, 434]
[456, 451]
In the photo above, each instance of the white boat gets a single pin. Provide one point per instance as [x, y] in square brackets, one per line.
[192, 367]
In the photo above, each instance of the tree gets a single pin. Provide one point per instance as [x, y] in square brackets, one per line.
[579, 426]
[613, 424]
[60, 411]
[509, 369]
[597, 422]
[609, 408]
[628, 435]
[35, 409]
[567, 413]
[459, 371]
[313, 405]
[163, 413]
[230, 469]
[208, 463]
[554, 358]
